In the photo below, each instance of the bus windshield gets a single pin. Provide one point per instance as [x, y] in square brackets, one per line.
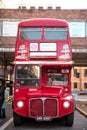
[49, 33]
[27, 75]
[55, 33]
[30, 33]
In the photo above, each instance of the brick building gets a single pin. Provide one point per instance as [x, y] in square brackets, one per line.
[77, 19]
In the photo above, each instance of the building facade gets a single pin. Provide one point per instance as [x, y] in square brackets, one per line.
[77, 19]
[79, 79]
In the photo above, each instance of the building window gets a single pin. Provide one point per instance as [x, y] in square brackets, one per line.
[77, 29]
[85, 85]
[10, 28]
[86, 29]
[75, 85]
[75, 72]
[85, 72]
[1, 28]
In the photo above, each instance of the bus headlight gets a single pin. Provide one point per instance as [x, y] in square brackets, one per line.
[20, 104]
[66, 104]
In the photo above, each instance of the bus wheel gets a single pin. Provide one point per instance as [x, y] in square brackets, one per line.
[69, 119]
[16, 119]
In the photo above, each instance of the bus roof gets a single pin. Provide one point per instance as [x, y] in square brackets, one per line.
[39, 22]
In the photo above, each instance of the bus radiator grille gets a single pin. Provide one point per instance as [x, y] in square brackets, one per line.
[43, 107]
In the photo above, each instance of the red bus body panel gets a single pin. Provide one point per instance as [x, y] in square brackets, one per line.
[43, 22]
[43, 102]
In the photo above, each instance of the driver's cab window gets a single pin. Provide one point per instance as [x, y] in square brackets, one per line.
[56, 78]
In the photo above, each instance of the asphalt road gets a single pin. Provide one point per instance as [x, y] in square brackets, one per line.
[80, 123]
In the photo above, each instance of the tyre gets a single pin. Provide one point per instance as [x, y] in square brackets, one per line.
[69, 119]
[16, 119]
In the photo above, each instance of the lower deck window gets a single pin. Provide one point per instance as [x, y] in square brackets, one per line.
[57, 79]
[27, 75]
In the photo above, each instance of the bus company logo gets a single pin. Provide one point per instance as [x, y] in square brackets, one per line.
[33, 46]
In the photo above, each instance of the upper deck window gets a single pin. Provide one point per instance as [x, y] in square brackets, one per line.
[30, 33]
[55, 33]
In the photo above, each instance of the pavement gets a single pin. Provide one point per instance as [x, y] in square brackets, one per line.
[81, 104]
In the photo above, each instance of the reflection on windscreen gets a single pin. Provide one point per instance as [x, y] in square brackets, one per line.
[27, 75]
[55, 33]
[30, 33]
[57, 79]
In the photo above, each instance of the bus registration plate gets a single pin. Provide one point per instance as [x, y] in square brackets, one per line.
[43, 118]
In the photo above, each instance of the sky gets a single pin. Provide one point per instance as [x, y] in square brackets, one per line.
[64, 4]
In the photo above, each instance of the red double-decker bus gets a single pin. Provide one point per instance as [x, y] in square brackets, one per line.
[43, 62]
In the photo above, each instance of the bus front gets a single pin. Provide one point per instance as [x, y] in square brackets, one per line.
[43, 62]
